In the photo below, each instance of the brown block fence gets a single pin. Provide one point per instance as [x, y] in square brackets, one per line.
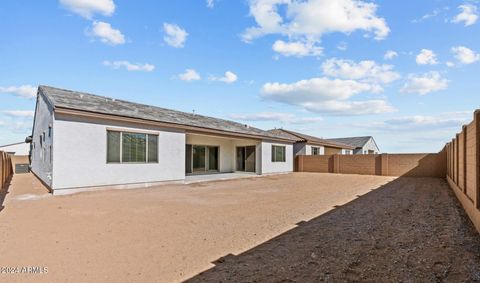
[6, 170]
[463, 168]
[410, 165]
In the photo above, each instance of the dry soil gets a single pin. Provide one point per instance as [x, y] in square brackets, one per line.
[352, 228]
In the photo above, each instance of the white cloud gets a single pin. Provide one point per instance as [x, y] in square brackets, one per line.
[342, 46]
[87, 8]
[465, 55]
[307, 21]
[426, 57]
[24, 91]
[390, 54]
[210, 3]
[432, 14]
[450, 64]
[106, 33]
[425, 83]
[19, 113]
[468, 16]
[277, 117]
[450, 119]
[325, 95]
[129, 66]
[352, 108]
[364, 71]
[313, 90]
[175, 36]
[228, 78]
[296, 48]
[189, 75]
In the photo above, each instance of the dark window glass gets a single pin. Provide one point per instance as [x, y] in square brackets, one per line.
[278, 153]
[113, 147]
[134, 147]
[152, 149]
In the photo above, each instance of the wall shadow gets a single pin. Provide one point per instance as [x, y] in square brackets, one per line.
[4, 192]
[410, 229]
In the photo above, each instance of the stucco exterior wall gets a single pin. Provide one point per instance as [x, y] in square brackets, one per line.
[80, 155]
[268, 166]
[41, 152]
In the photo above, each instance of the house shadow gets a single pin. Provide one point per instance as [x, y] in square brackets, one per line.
[410, 229]
[4, 192]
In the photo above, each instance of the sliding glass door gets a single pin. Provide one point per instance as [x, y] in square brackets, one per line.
[201, 158]
[198, 158]
[246, 158]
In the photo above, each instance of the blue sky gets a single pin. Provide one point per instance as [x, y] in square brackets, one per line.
[405, 72]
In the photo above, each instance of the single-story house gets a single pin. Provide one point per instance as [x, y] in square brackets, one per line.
[310, 145]
[82, 141]
[19, 148]
[363, 145]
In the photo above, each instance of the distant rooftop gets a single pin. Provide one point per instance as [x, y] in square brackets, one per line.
[74, 100]
[353, 141]
[299, 137]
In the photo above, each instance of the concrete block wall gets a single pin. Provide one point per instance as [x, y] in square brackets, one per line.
[358, 164]
[6, 170]
[411, 165]
[463, 172]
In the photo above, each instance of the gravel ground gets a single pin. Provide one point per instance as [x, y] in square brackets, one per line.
[410, 230]
[381, 229]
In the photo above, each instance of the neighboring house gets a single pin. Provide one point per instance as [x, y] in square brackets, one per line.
[19, 148]
[309, 145]
[363, 145]
[81, 140]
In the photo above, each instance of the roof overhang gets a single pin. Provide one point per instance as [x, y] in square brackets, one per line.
[331, 145]
[186, 128]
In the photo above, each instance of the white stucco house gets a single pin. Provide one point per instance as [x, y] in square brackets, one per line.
[362, 145]
[82, 141]
[310, 145]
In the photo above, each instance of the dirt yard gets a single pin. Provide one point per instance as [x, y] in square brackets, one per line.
[350, 228]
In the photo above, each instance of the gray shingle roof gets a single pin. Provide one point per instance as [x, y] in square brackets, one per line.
[353, 141]
[68, 99]
[299, 137]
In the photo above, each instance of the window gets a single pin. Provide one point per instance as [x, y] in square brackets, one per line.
[348, 152]
[49, 131]
[126, 147]
[41, 147]
[278, 153]
[316, 150]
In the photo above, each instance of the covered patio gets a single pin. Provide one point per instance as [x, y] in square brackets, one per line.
[219, 157]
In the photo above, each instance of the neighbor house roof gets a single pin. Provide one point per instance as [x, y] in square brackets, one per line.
[353, 141]
[299, 137]
[80, 101]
